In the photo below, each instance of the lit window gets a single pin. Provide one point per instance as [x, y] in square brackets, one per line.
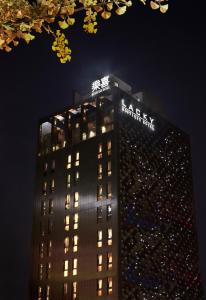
[68, 180]
[52, 185]
[65, 289]
[42, 229]
[39, 293]
[109, 285]
[74, 270]
[48, 270]
[99, 192]
[40, 271]
[76, 219]
[43, 208]
[66, 245]
[75, 243]
[100, 151]
[49, 248]
[66, 221]
[44, 188]
[109, 261]
[109, 190]
[109, 168]
[109, 211]
[76, 176]
[47, 292]
[51, 206]
[99, 262]
[69, 161]
[67, 201]
[99, 287]
[74, 290]
[66, 268]
[77, 159]
[99, 214]
[100, 171]
[84, 136]
[109, 237]
[109, 148]
[103, 129]
[53, 165]
[41, 249]
[76, 199]
[99, 238]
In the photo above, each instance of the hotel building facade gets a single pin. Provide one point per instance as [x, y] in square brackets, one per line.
[114, 215]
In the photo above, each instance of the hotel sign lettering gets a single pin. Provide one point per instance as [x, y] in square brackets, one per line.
[138, 115]
[99, 86]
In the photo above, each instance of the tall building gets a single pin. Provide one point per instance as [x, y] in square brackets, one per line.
[114, 214]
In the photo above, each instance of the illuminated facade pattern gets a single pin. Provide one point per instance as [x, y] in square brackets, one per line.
[113, 213]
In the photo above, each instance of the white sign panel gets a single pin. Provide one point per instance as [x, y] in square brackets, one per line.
[99, 86]
[138, 115]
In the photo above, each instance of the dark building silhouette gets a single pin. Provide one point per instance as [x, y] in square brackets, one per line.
[114, 213]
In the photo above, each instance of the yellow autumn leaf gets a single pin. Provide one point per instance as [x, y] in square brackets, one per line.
[71, 21]
[98, 8]
[154, 5]
[129, 3]
[164, 8]
[121, 10]
[110, 5]
[106, 14]
[63, 24]
[28, 37]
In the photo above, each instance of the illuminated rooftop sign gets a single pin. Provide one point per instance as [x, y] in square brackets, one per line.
[99, 86]
[138, 115]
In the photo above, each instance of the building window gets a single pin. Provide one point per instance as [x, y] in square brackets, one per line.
[109, 261]
[99, 214]
[109, 148]
[47, 292]
[99, 262]
[49, 248]
[76, 219]
[67, 201]
[68, 180]
[109, 190]
[84, 136]
[66, 268]
[40, 271]
[74, 270]
[52, 185]
[100, 171]
[109, 211]
[109, 237]
[74, 290]
[53, 165]
[51, 207]
[65, 289]
[75, 243]
[69, 161]
[48, 270]
[99, 287]
[77, 159]
[99, 151]
[109, 285]
[109, 168]
[99, 238]
[76, 199]
[66, 245]
[44, 188]
[42, 229]
[76, 177]
[41, 250]
[99, 192]
[45, 168]
[43, 208]
[50, 226]
[39, 293]
[66, 222]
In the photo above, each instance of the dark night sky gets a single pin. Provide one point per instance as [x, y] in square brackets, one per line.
[164, 55]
